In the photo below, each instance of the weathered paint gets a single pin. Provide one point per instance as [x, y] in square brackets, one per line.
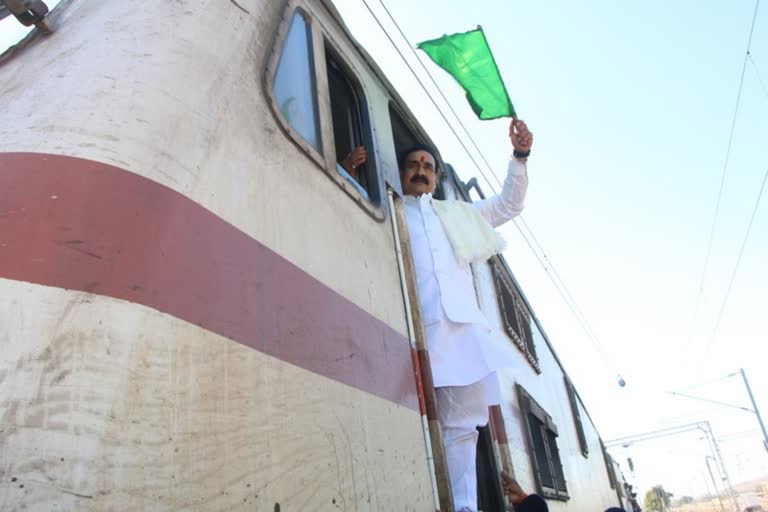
[109, 405]
[87, 226]
[147, 409]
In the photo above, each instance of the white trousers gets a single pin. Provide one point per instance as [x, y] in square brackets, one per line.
[460, 410]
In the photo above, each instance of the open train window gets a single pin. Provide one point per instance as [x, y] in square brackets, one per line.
[320, 105]
[293, 84]
[351, 126]
[401, 133]
[541, 433]
[489, 492]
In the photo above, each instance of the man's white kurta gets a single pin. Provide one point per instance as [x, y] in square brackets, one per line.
[462, 347]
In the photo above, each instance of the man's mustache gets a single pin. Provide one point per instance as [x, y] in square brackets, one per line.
[420, 178]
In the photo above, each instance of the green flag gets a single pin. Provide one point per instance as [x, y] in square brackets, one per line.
[468, 59]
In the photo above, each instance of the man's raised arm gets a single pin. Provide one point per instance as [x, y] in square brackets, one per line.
[508, 204]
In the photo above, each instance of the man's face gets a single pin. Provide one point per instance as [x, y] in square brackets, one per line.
[419, 176]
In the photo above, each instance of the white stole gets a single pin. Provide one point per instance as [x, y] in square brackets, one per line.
[470, 235]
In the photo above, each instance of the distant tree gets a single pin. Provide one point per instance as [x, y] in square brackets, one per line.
[657, 499]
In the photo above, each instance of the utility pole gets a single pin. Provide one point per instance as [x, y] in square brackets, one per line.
[703, 426]
[734, 504]
[754, 407]
[714, 482]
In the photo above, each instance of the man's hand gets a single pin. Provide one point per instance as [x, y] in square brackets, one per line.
[354, 160]
[512, 489]
[520, 136]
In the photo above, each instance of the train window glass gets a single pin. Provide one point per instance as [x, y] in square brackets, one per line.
[514, 313]
[541, 434]
[573, 399]
[351, 126]
[294, 82]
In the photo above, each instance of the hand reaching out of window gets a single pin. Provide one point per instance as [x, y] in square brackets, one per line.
[520, 501]
[352, 162]
[512, 489]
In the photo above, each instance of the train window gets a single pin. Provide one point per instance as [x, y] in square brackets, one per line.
[577, 416]
[401, 133]
[514, 313]
[294, 82]
[351, 127]
[541, 433]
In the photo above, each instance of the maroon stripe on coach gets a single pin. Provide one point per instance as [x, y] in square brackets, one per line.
[83, 225]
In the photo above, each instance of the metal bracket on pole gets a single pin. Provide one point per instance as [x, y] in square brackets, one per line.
[28, 12]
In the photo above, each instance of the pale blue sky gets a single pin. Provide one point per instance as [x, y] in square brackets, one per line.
[631, 108]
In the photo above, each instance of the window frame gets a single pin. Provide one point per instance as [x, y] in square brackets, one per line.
[529, 407]
[579, 425]
[612, 480]
[320, 38]
[373, 178]
[501, 278]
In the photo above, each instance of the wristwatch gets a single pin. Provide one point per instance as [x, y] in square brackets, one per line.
[520, 154]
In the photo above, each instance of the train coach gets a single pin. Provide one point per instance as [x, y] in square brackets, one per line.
[200, 309]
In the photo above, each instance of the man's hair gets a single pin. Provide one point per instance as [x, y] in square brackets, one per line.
[417, 147]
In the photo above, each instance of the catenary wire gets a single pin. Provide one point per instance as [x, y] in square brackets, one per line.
[759, 78]
[724, 172]
[544, 259]
[738, 260]
[431, 98]
[439, 90]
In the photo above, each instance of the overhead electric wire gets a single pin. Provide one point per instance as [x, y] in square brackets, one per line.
[716, 402]
[546, 261]
[413, 72]
[568, 298]
[708, 382]
[546, 265]
[757, 73]
[471, 139]
[724, 171]
[557, 275]
[738, 260]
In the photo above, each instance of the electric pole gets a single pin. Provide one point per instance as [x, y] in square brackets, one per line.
[755, 409]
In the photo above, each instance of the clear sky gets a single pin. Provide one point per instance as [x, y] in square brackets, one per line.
[631, 107]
